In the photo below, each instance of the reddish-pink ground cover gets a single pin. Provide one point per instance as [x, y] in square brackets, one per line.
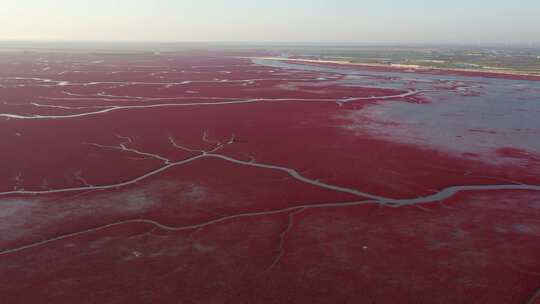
[282, 198]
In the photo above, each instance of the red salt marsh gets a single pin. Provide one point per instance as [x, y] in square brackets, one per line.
[214, 179]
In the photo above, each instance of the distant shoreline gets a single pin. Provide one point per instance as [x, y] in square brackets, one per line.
[403, 67]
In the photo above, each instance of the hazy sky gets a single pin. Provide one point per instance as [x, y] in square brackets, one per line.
[465, 21]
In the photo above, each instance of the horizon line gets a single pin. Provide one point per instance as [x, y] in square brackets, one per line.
[224, 42]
